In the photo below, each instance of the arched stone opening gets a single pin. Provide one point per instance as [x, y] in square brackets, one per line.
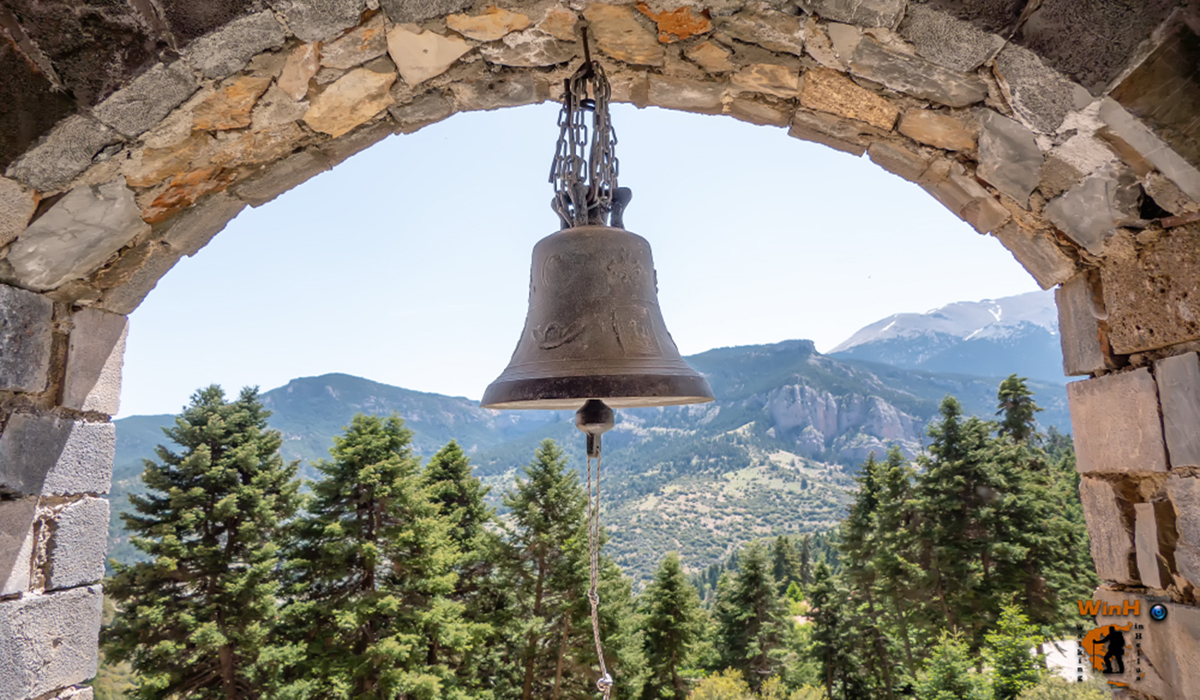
[1080, 157]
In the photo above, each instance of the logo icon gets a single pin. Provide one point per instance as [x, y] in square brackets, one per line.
[1158, 613]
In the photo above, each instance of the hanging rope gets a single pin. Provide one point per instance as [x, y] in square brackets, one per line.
[605, 682]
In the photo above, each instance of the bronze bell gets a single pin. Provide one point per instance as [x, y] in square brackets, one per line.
[594, 330]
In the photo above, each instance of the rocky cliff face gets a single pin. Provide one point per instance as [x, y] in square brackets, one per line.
[842, 427]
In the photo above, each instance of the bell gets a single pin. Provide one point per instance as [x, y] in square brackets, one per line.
[594, 330]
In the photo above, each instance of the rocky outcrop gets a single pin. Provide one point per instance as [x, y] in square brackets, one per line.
[845, 428]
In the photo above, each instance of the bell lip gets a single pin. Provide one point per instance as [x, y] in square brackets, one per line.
[618, 391]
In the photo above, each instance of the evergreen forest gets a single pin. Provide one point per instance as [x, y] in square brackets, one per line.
[393, 578]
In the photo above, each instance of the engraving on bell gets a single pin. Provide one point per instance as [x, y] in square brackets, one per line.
[594, 330]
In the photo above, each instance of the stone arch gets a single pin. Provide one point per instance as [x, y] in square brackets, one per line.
[1078, 154]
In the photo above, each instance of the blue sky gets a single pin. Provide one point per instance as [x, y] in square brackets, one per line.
[409, 263]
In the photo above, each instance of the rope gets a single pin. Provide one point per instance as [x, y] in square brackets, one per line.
[605, 682]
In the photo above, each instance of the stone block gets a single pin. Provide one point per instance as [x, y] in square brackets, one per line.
[356, 141]
[65, 153]
[17, 204]
[357, 47]
[1184, 492]
[79, 544]
[618, 33]
[490, 93]
[864, 13]
[275, 109]
[768, 79]
[196, 226]
[760, 113]
[418, 10]
[1178, 380]
[1079, 331]
[230, 106]
[711, 57]
[774, 31]
[528, 49]
[949, 183]
[1090, 212]
[938, 130]
[492, 24]
[159, 260]
[841, 134]
[299, 67]
[94, 360]
[1117, 425]
[420, 56]
[686, 95]
[313, 20]
[16, 544]
[1154, 526]
[827, 90]
[1009, 158]
[49, 641]
[51, 456]
[1153, 294]
[354, 99]
[1040, 96]
[915, 76]
[76, 235]
[228, 49]
[25, 336]
[1038, 252]
[148, 99]
[1110, 531]
[1151, 147]
[897, 160]
[282, 176]
[947, 40]
[421, 112]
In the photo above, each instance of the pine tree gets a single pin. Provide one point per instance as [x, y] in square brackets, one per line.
[198, 613]
[750, 618]
[834, 639]
[1013, 667]
[897, 574]
[672, 623]
[948, 674]
[805, 560]
[785, 562]
[1017, 408]
[372, 565]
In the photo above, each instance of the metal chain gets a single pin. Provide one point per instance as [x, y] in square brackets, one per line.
[605, 682]
[585, 181]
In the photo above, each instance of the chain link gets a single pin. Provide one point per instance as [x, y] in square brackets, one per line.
[605, 682]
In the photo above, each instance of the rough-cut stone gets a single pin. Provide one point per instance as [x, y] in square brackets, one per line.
[148, 99]
[420, 56]
[76, 235]
[1151, 147]
[79, 544]
[760, 113]
[528, 49]
[1091, 211]
[282, 176]
[686, 95]
[844, 38]
[229, 107]
[94, 359]
[946, 40]
[25, 336]
[1038, 253]
[226, 51]
[617, 32]
[160, 258]
[357, 47]
[267, 65]
[559, 23]
[49, 641]
[915, 76]
[151, 166]
[418, 10]
[352, 100]
[710, 57]
[1111, 535]
[1058, 176]
[1040, 97]
[768, 79]
[1009, 158]
[493, 24]
[494, 93]
[865, 13]
[423, 111]
[826, 90]
[774, 31]
[16, 544]
[937, 130]
[961, 194]
[1153, 295]
[818, 45]
[1178, 380]
[301, 65]
[186, 188]
[195, 227]
[51, 456]
[677, 24]
[844, 135]
[1082, 338]
[1151, 564]
[1184, 492]
[65, 153]
[1116, 423]
[312, 20]
[1167, 194]
[898, 160]
[17, 204]
[275, 109]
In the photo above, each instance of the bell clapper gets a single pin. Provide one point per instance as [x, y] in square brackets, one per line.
[595, 418]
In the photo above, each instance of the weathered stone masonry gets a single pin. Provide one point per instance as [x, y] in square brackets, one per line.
[137, 130]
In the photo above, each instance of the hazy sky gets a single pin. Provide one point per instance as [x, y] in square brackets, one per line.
[409, 263]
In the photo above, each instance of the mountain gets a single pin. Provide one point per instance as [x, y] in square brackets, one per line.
[993, 337]
[774, 453]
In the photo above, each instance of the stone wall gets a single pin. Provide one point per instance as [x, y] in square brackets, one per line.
[1064, 130]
